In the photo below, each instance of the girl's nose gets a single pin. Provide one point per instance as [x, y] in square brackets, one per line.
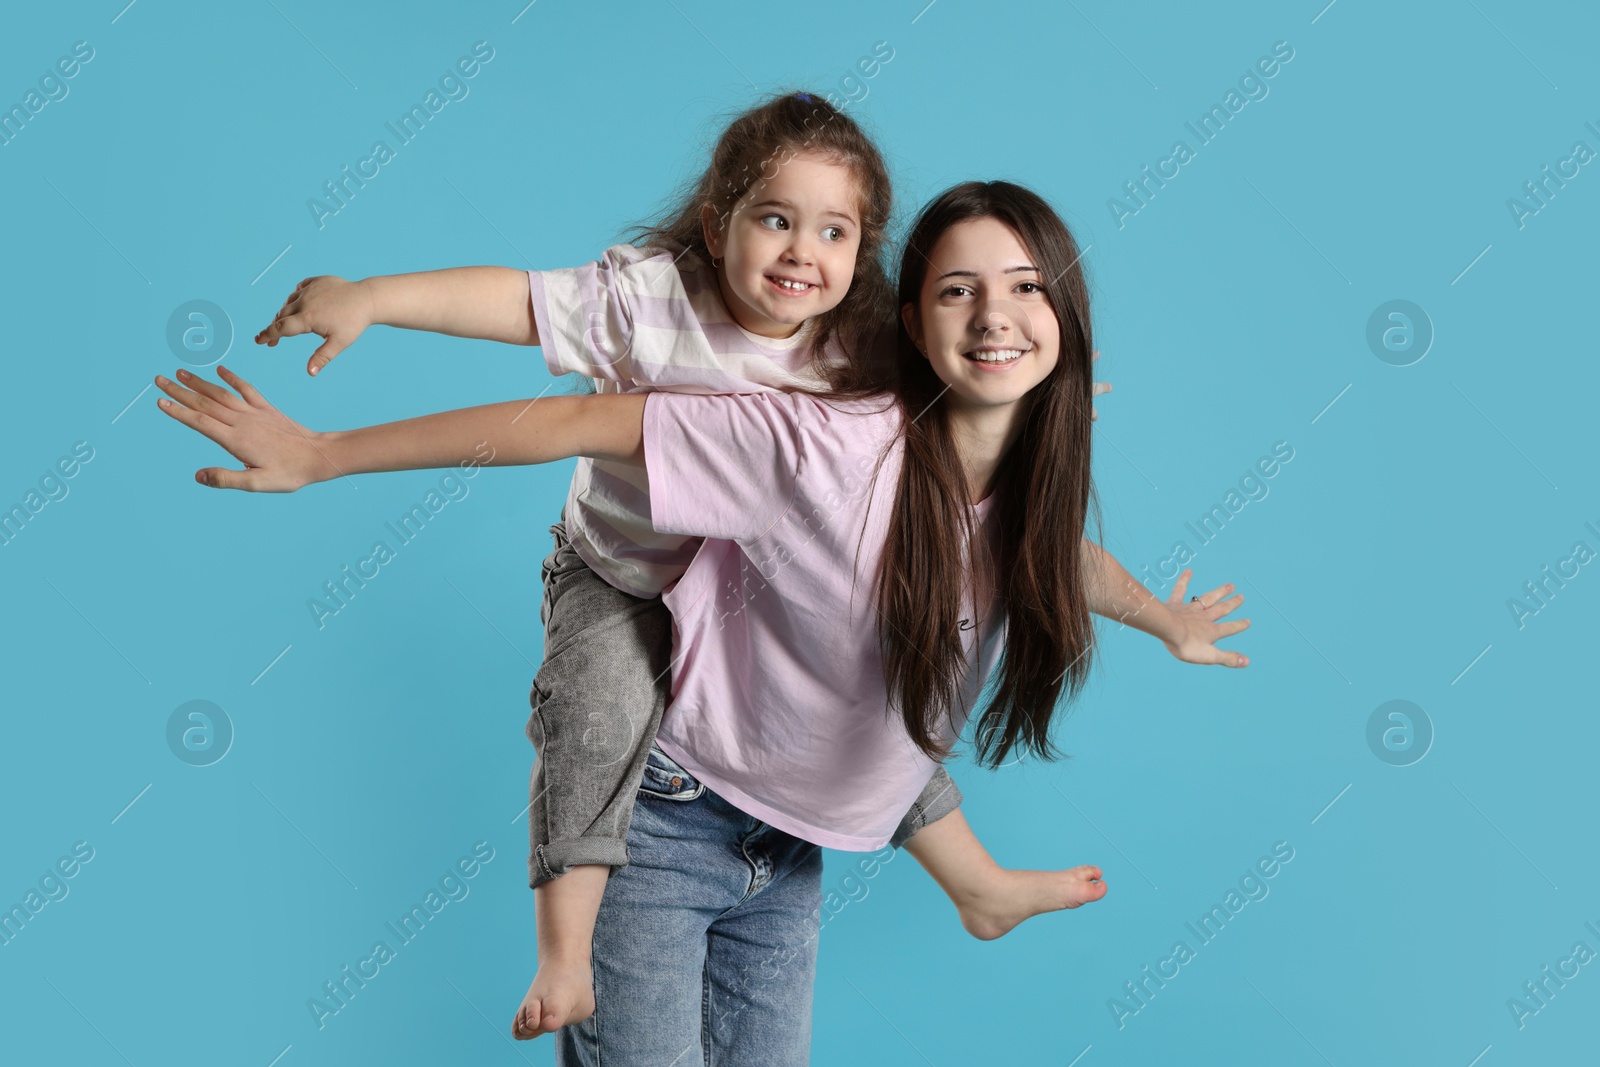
[800, 248]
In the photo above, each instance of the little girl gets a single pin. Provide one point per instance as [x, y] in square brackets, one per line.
[965, 541]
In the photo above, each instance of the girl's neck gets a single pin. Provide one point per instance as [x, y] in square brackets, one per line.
[982, 437]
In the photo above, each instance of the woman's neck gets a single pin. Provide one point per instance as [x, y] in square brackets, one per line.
[982, 437]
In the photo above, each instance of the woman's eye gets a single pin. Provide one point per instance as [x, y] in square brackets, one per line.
[774, 222]
[1030, 287]
[955, 290]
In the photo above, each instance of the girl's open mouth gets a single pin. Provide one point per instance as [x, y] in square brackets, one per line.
[789, 286]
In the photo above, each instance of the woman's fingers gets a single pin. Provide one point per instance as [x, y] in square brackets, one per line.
[1179, 587]
[204, 405]
[208, 389]
[197, 421]
[1224, 607]
[245, 389]
[222, 478]
[1210, 599]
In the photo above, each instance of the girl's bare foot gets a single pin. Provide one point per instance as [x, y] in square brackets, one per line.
[561, 993]
[1008, 897]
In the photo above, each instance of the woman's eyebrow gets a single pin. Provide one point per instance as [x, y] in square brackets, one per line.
[964, 273]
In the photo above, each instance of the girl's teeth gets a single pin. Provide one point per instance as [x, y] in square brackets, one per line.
[785, 283]
[997, 357]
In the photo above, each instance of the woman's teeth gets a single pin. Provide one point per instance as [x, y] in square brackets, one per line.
[1004, 355]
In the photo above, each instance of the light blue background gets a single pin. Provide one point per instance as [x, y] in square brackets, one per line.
[1231, 311]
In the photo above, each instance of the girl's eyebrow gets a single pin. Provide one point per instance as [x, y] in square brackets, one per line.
[973, 274]
[786, 205]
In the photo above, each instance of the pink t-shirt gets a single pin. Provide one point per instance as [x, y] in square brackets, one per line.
[641, 319]
[778, 697]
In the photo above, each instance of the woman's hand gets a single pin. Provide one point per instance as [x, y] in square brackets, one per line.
[332, 308]
[279, 454]
[1099, 389]
[1196, 629]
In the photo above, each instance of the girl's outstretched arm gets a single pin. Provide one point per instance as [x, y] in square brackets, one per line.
[488, 303]
[1189, 629]
[280, 455]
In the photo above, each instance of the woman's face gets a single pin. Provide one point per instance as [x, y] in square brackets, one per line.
[983, 320]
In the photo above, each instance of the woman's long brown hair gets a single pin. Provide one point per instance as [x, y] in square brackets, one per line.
[1042, 499]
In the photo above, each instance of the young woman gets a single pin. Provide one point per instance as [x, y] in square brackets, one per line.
[872, 560]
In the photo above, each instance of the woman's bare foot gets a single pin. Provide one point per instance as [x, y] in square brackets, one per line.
[561, 993]
[1007, 897]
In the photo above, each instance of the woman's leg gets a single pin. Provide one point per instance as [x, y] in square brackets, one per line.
[684, 871]
[761, 956]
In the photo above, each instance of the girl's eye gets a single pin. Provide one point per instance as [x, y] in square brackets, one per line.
[1030, 287]
[833, 233]
[774, 222]
[955, 290]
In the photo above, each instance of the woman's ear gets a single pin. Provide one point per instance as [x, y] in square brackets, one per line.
[913, 324]
[713, 232]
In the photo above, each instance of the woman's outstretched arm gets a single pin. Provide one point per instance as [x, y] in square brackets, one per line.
[280, 455]
[1189, 629]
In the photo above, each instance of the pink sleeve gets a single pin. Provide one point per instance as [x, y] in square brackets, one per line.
[584, 318]
[722, 465]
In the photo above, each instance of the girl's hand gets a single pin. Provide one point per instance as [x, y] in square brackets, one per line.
[332, 308]
[279, 454]
[1099, 388]
[1198, 631]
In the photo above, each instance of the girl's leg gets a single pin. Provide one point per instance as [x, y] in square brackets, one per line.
[597, 701]
[761, 956]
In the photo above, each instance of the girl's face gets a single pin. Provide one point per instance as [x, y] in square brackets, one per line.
[788, 251]
[983, 320]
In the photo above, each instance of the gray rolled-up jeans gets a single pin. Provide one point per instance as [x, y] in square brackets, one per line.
[597, 702]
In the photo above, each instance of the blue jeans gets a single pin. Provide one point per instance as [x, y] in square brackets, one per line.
[705, 951]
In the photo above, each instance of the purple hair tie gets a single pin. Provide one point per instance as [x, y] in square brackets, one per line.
[804, 98]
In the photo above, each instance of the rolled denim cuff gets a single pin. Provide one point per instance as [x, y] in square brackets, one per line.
[939, 798]
[558, 857]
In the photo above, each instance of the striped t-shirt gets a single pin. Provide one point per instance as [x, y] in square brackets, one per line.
[645, 319]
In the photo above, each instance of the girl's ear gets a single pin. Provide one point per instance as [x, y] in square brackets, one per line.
[714, 234]
[913, 323]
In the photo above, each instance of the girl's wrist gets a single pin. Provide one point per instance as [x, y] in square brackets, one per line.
[373, 292]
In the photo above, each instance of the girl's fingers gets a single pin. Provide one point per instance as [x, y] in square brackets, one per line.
[1209, 599]
[1094, 355]
[324, 354]
[1101, 388]
[288, 326]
